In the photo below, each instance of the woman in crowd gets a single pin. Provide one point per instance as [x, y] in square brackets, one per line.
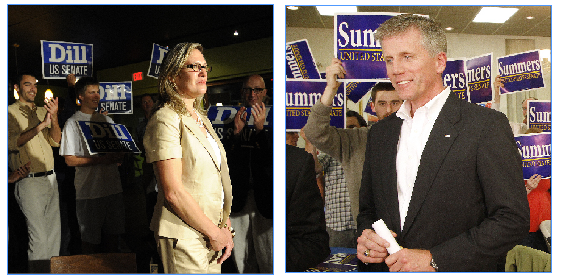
[191, 219]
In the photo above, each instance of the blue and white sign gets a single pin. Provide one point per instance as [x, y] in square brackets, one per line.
[539, 115]
[301, 95]
[356, 47]
[157, 56]
[357, 90]
[116, 98]
[222, 116]
[60, 59]
[300, 63]
[520, 72]
[103, 137]
[536, 152]
[479, 78]
[454, 76]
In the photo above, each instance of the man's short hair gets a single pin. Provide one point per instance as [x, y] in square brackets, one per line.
[361, 120]
[19, 77]
[148, 94]
[433, 35]
[83, 83]
[381, 86]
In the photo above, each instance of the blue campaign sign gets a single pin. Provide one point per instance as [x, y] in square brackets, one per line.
[520, 72]
[157, 56]
[368, 108]
[116, 98]
[103, 137]
[60, 59]
[356, 47]
[222, 116]
[357, 90]
[300, 63]
[536, 153]
[454, 76]
[302, 94]
[539, 115]
[479, 78]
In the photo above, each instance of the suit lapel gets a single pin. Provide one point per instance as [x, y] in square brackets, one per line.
[441, 138]
[389, 141]
[193, 127]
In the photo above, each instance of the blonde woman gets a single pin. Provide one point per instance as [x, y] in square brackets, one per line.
[191, 218]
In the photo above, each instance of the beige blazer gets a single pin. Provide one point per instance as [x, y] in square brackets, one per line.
[169, 135]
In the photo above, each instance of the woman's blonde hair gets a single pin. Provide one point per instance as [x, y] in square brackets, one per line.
[171, 66]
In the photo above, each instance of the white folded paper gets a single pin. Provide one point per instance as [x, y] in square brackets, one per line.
[382, 230]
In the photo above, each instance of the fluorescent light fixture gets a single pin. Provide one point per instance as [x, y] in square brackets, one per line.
[449, 28]
[293, 8]
[494, 14]
[331, 10]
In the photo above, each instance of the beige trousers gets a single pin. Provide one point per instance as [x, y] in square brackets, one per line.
[187, 256]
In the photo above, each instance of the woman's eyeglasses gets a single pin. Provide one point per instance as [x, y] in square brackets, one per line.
[198, 67]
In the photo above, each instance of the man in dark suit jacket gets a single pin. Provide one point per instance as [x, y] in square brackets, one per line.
[249, 155]
[307, 242]
[443, 174]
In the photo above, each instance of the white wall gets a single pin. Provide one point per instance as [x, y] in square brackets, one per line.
[459, 45]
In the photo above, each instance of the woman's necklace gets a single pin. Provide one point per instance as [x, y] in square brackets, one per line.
[198, 119]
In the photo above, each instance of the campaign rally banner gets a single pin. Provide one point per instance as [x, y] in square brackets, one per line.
[536, 152]
[520, 72]
[357, 90]
[157, 56]
[356, 47]
[539, 115]
[103, 137]
[222, 116]
[302, 94]
[454, 76]
[300, 63]
[479, 78]
[116, 98]
[60, 59]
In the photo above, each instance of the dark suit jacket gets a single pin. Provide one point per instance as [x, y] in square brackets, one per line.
[468, 206]
[249, 156]
[307, 242]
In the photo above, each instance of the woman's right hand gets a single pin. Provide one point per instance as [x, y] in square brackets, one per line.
[221, 240]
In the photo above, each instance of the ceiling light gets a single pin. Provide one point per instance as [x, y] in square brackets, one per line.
[236, 33]
[293, 8]
[331, 10]
[449, 28]
[530, 17]
[494, 14]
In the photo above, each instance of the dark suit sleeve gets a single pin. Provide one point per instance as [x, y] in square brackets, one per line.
[307, 242]
[506, 222]
[366, 213]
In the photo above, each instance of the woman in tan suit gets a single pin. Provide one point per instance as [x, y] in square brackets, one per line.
[191, 219]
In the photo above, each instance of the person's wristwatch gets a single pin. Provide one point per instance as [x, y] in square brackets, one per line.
[434, 265]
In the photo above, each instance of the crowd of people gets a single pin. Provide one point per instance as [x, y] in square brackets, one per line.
[176, 205]
[442, 173]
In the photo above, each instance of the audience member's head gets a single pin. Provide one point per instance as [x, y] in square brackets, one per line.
[253, 90]
[26, 87]
[88, 92]
[385, 99]
[354, 119]
[292, 138]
